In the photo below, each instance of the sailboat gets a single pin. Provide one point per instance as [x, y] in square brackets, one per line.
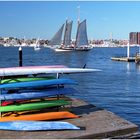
[37, 46]
[81, 43]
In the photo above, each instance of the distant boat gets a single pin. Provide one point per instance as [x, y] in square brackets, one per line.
[37, 45]
[23, 44]
[81, 43]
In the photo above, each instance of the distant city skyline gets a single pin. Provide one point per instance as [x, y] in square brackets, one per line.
[36, 19]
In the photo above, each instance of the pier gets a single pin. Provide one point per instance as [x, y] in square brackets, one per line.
[126, 59]
[94, 122]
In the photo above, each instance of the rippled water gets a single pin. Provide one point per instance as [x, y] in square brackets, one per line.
[116, 88]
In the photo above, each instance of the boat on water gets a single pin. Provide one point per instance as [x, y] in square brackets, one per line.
[37, 45]
[81, 43]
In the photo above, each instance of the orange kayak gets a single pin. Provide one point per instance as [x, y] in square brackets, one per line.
[40, 116]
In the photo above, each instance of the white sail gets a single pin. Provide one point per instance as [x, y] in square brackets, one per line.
[81, 36]
[56, 40]
[67, 35]
[37, 45]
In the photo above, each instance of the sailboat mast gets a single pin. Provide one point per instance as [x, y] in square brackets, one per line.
[78, 22]
[64, 40]
[75, 46]
[78, 18]
[67, 34]
[81, 36]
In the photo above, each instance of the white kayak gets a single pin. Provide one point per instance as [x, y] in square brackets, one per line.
[42, 70]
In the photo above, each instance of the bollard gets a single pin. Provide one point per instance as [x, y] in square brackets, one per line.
[20, 56]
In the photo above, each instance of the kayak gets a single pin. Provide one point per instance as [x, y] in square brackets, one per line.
[13, 71]
[35, 84]
[63, 97]
[37, 94]
[40, 116]
[37, 125]
[25, 79]
[34, 106]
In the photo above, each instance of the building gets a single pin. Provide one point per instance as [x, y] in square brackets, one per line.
[134, 38]
[138, 34]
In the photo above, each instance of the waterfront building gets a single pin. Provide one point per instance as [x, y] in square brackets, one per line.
[138, 34]
[134, 38]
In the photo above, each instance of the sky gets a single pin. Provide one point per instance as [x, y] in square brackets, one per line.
[42, 19]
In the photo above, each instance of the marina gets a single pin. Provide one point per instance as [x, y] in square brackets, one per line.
[101, 97]
[69, 70]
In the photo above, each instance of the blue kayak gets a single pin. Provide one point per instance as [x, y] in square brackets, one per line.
[36, 84]
[37, 94]
[37, 125]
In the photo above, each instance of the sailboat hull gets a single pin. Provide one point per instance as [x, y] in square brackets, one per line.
[72, 49]
[83, 49]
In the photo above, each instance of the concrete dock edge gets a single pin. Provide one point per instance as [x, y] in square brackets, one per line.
[94, 122]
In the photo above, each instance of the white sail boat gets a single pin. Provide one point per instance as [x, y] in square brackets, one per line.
[37, 45]
[81, 43]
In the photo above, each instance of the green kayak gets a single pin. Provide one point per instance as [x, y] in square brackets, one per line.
[34, 106]
[26, 79]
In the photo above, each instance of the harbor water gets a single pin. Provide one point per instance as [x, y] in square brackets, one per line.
[116, 88]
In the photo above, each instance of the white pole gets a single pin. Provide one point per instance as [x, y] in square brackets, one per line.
[128, 50]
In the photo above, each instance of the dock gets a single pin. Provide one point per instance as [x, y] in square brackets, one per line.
[126, 59]
[94, 122]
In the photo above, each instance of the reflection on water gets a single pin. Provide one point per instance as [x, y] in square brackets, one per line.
[128, 67]
[138, 67]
